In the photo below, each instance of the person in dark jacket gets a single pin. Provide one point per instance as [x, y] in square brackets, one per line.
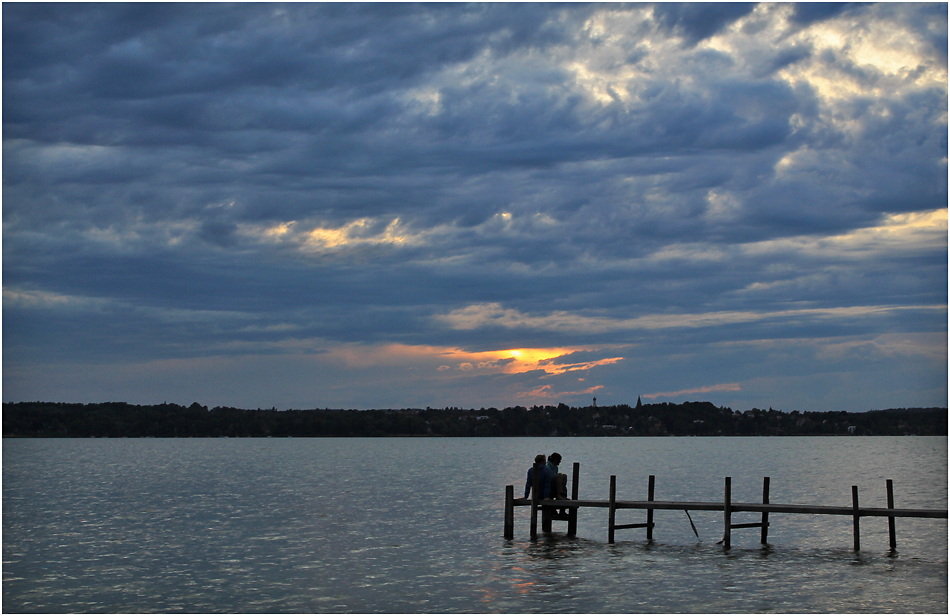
[558, 480]
[544, 478]
[553, 460]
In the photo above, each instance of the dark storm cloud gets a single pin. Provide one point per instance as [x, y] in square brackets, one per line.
[162, 63]
[699, 20]
[808, 12]
[208, 180]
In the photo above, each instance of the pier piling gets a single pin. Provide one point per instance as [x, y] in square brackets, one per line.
[535, 489]
[572, 520]
[856, 517]
[509, 512]
[727, 514]
[650, 491]
[891, 531]
[612, 511]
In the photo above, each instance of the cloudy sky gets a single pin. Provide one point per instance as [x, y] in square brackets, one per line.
[386, 206]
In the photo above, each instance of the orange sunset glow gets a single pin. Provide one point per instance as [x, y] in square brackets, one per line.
[505, 361]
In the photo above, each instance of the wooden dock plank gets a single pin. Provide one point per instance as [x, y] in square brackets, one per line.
[831, 510]
[521, 502]
[673, 505]
[640, 525]
[741, 507]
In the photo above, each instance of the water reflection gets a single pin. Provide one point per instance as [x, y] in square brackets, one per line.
[554, 547]
[379, 525]
[551, 572]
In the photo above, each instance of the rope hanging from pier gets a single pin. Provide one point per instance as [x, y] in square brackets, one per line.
[693, 526]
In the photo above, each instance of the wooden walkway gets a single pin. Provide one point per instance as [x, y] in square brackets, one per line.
[567, 510]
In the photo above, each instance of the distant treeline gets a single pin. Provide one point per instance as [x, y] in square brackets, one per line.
[119, 419]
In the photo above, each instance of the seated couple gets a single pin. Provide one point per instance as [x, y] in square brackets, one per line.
[552, 484]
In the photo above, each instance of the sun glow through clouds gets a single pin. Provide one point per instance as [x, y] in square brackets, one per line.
[443, 359]
[482, 203]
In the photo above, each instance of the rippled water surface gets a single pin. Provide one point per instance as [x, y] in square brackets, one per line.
[415, 525]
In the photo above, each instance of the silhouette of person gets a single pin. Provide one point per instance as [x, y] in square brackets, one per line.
[558, 480]
[544, 478]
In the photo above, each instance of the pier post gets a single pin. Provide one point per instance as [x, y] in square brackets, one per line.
[857, 518]
[727, 514]
[509, 512]
[535, 488]
[612, 509]
[650, 492]
[891, 531]
[572, 512]
[765, 514]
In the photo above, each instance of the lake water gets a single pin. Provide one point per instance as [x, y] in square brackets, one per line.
[416, 525]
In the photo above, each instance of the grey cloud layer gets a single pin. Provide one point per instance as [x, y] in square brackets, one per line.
[336, 173]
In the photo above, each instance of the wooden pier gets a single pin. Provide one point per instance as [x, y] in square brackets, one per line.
[549, 510]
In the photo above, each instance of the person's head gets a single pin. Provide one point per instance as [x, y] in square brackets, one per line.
[555, 458]
[539, 459]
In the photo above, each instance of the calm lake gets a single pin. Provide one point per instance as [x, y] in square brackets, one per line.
[416, 525]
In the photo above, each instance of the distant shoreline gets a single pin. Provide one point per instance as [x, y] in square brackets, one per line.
[123, 420]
